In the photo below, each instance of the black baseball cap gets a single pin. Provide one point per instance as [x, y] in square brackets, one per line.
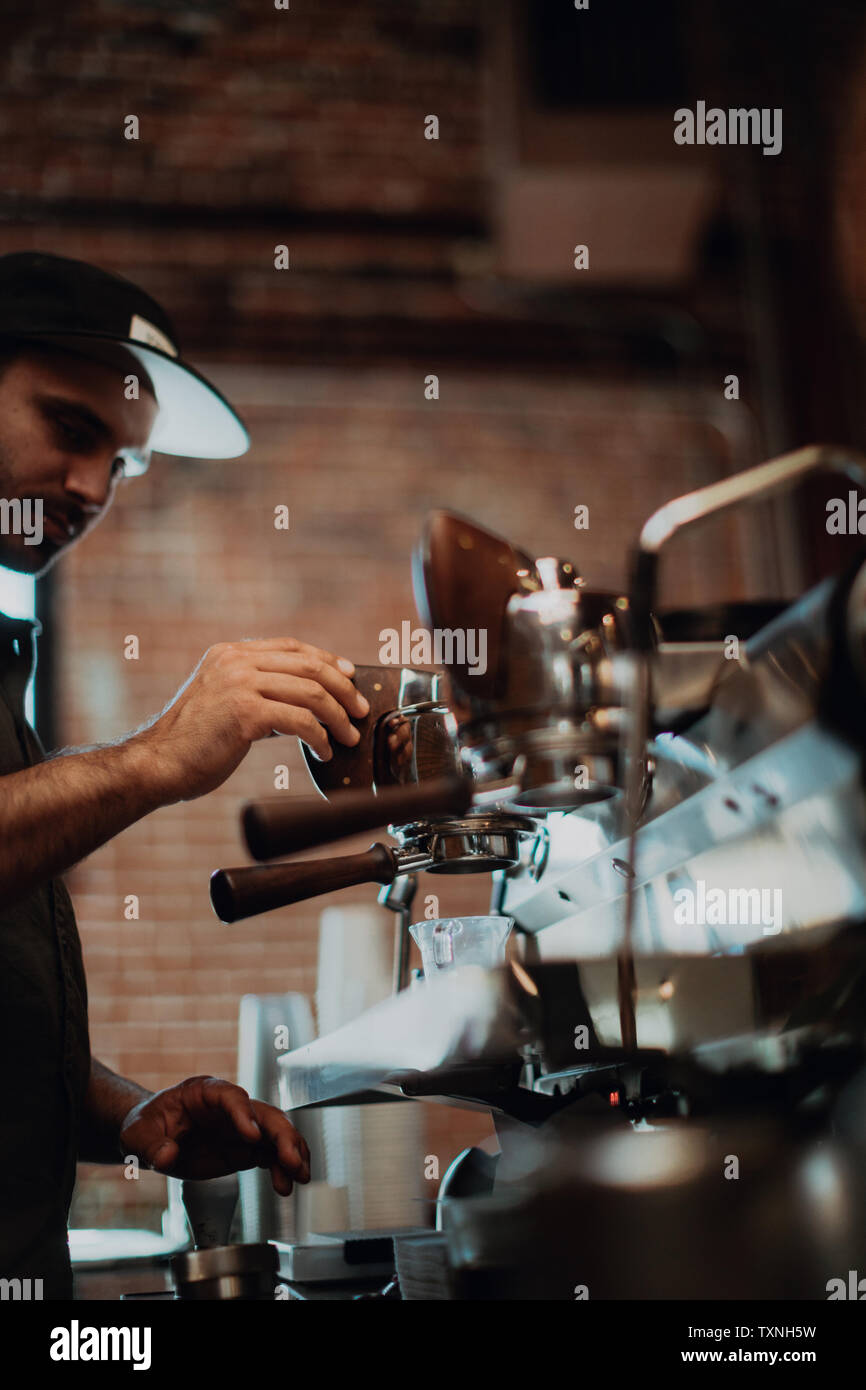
[72, 305]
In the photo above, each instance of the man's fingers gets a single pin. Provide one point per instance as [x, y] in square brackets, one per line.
[162, 1155]
[280, 1181]
[236, 1104]
[288, 719]
[203, 1095]
[291, 1147]
[312, 668]
[306, 694]
[267, 1127]
[292, 644]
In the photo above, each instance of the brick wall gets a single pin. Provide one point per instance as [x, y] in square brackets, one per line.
[315, 108]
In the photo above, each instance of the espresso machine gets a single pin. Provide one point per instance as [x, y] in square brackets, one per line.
[673, 816]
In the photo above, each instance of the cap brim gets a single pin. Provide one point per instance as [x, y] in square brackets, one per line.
[195, 420]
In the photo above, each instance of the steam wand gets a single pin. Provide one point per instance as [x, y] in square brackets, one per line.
[398, 896]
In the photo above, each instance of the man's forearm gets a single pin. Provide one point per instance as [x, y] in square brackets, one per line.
[108, 1102]
[54, 814]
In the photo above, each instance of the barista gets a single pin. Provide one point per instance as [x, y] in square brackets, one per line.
[90, 382]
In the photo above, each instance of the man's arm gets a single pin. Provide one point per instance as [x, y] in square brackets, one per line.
[109, 1100]
[54, 814]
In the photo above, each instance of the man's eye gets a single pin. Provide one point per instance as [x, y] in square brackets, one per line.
[72, 436]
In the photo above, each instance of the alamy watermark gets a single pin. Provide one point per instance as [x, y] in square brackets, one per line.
[21, 1290]
[77, 1343]
[22, 516]
[738, 125]
[729, 907]
[846, 516]
[444, 646]
[853, 1288]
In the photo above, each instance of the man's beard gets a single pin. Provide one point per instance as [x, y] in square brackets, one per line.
[17, 552]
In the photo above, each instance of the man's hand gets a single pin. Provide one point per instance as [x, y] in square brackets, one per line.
[55, 813]
[205, 1128]
[241, 692]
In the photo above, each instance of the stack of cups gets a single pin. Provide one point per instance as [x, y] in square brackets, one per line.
[374, 1152]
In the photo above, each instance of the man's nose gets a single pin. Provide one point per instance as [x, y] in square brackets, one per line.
[91, 483]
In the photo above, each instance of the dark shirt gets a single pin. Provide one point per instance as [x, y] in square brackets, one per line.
[44, 1048]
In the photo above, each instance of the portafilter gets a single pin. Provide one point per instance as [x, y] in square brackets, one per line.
[456, 763]
[406, 773]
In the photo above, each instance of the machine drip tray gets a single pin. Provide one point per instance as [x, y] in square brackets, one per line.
[342, 1256]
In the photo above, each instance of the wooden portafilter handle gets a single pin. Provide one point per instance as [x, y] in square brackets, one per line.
[245, 892]
[275, 826]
